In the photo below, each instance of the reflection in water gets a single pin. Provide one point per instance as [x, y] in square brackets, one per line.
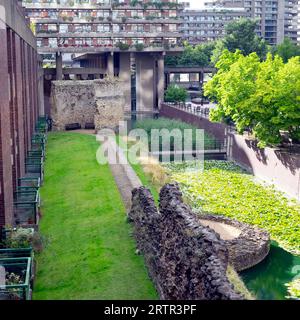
[267, 280]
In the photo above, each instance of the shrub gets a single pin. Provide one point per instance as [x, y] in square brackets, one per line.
[165, 123]
[123, 46]
[155, 171]
[176, 94]
[139, 46]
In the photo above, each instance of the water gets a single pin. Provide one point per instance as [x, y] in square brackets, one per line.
[267, 280]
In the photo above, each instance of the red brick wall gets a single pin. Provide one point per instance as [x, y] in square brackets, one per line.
[19, 112]
[6, 192]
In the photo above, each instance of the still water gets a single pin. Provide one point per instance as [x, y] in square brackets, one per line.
[267, 280]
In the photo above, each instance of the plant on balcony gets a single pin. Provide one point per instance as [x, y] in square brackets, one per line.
[166, 46]
[158, 4]
[134, 3]
[70, 19]
[150, 17]
[123, 46]
[71, 3]
[139, 46]
[21, 238]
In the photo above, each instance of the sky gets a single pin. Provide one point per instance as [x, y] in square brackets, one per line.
[196, 4]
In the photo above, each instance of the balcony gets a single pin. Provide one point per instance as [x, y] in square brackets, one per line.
[66, 48]
[54, 6]
[104, 34]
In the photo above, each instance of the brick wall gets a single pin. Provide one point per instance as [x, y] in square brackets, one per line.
[218, 130]
[19, 106]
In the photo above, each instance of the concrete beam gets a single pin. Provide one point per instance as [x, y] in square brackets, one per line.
[110, 65]
[59, 67]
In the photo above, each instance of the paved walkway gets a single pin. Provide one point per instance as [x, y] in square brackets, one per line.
[124, 175]
[225, 231]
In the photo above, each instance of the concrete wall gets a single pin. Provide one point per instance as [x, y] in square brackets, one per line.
[145, 88]
[272, 165]
[18, 101]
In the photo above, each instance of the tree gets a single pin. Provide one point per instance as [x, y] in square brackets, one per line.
[193, 57]
[175, 93]
[241, 35]
[263, 96]
[198, 55]
[287, 49]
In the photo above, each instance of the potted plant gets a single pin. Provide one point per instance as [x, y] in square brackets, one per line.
[139, 46]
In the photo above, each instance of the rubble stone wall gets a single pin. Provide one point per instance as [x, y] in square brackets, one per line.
[100, 102]
[186, 260]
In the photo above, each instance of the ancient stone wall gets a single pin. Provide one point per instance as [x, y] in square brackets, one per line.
[186, 260]
[249, 248]
[110, 102]
[99, 102]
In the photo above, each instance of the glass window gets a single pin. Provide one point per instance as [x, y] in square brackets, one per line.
[194, 77]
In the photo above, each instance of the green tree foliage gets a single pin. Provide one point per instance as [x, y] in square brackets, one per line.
[199, 55]
[287, 49]
[241, 35]
[263, 96]
[176, 94]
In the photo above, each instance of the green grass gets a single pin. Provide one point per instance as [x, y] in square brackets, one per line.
[225, 189]
[89, 252]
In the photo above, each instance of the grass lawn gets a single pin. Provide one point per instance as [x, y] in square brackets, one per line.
[89, 252]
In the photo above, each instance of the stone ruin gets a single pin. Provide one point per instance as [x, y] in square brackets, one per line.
[186, 260]
[98, 102]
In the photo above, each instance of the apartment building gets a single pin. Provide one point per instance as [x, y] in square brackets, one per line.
[276, 18]
[209, 24]
[125, 38]
[20, 99]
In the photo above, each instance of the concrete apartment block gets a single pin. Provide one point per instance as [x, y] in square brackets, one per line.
[109, 38]
[276, 19]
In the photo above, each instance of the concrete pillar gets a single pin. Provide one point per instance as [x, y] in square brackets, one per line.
[160, 80]
[41, 100]
[125, 75]
[110, 65]
[59, 67]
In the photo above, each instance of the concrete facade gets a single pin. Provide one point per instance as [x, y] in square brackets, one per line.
[209, 24]
[277, 19]
[19, 101]
[125, 39]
